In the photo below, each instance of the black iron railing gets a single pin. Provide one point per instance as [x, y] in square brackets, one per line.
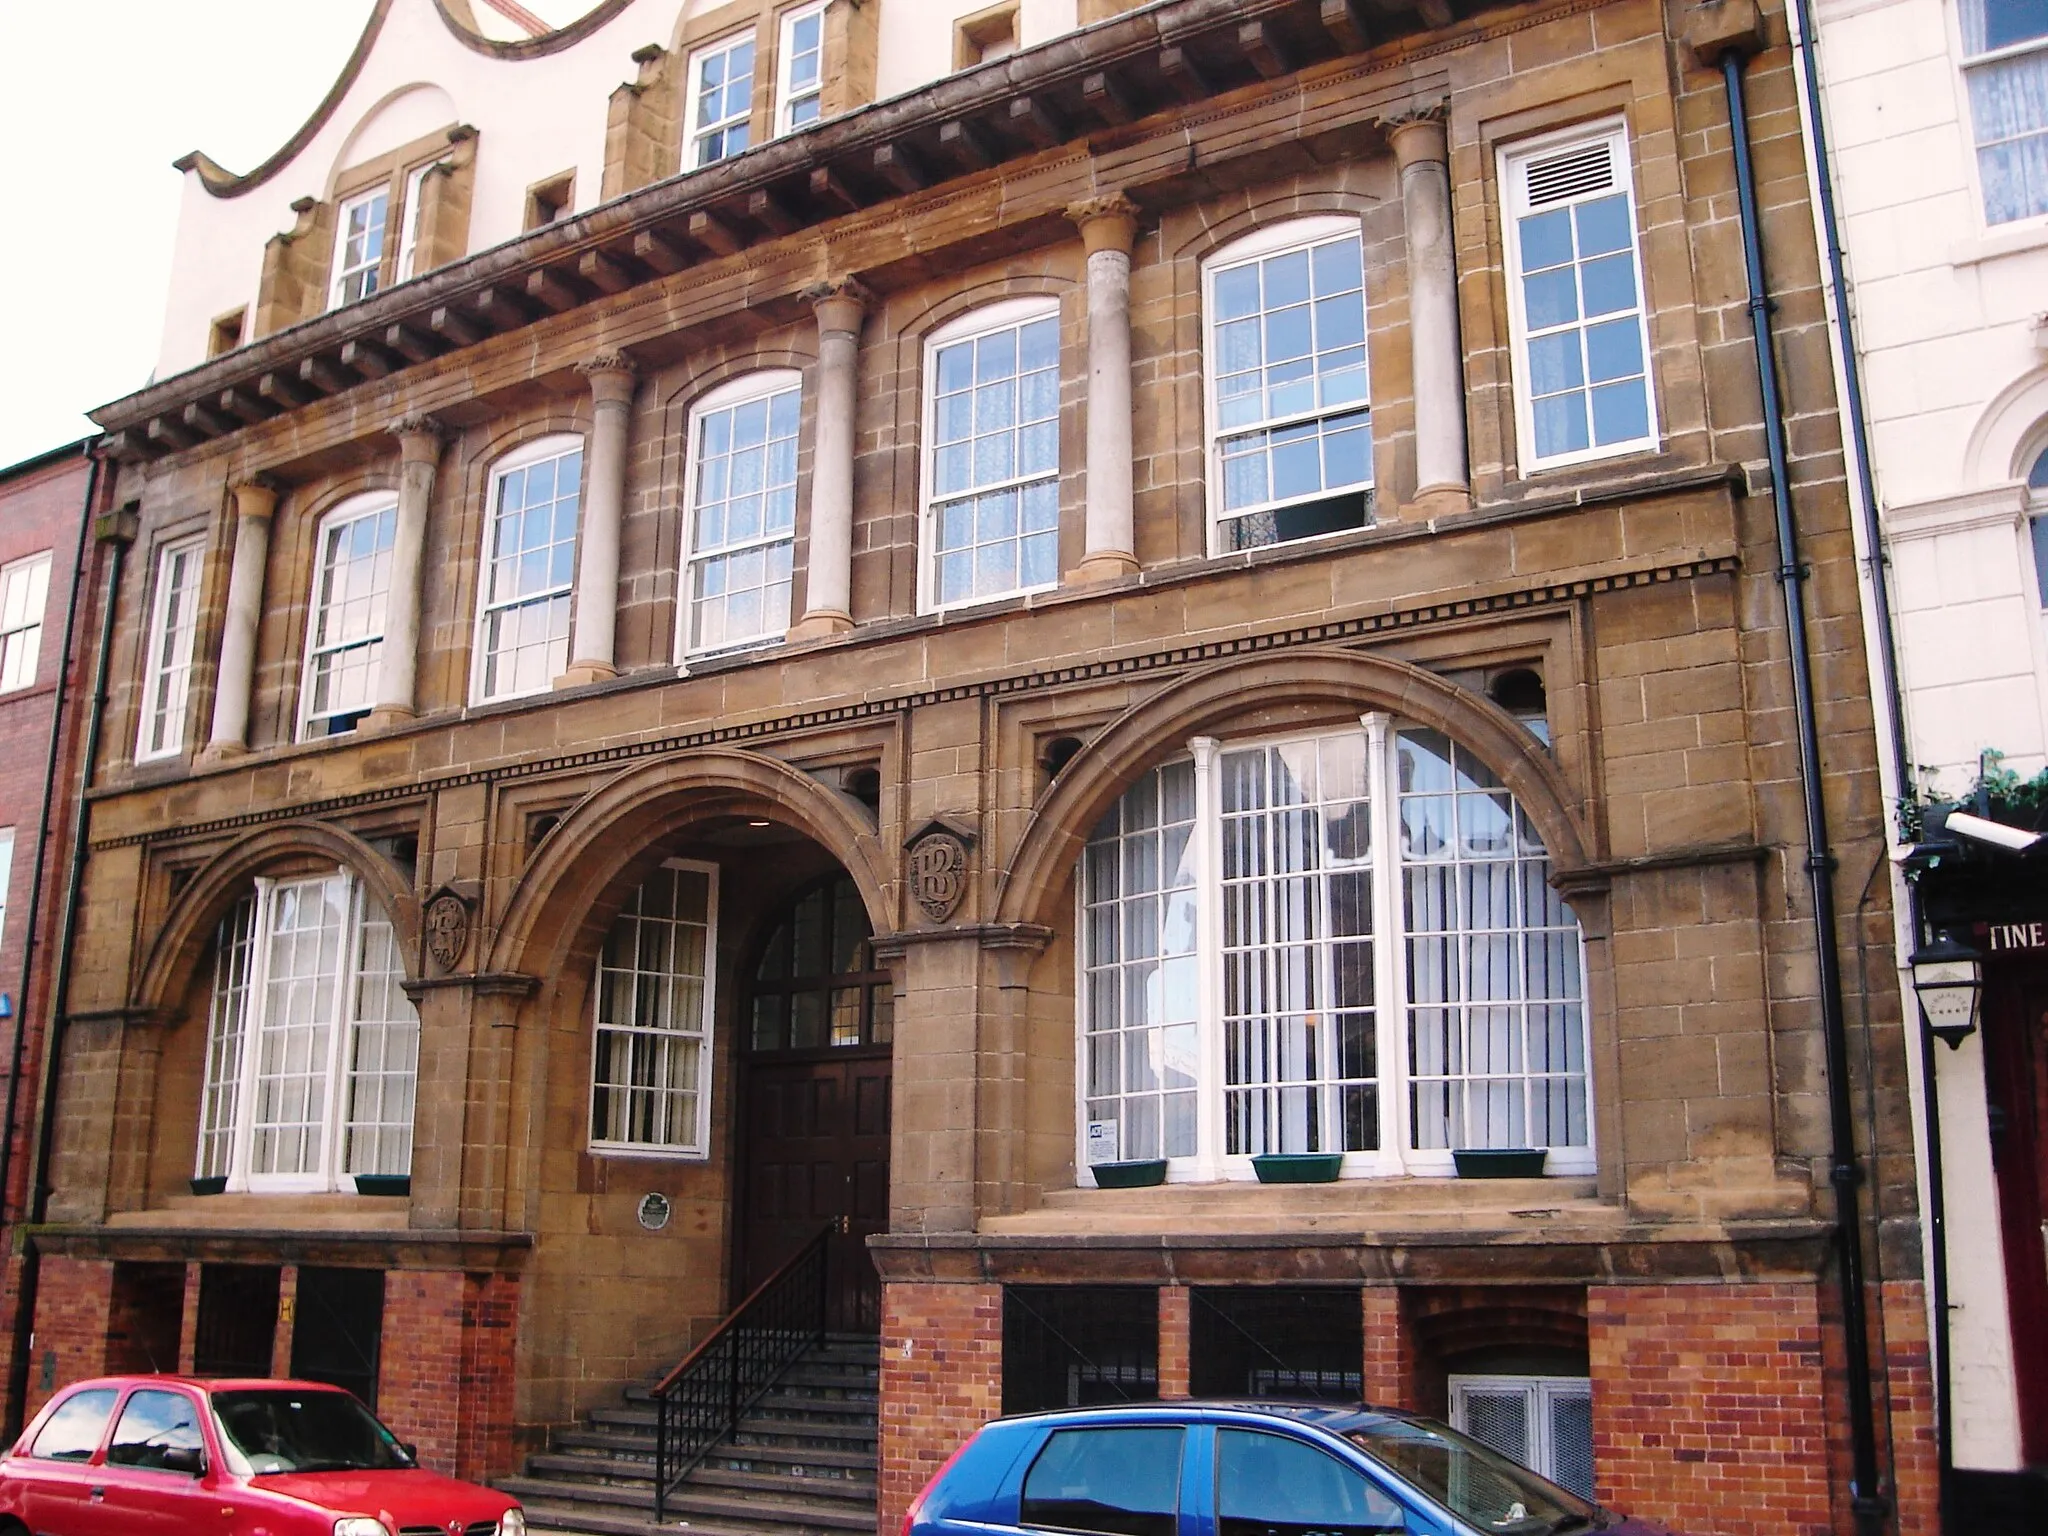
[699, 1403]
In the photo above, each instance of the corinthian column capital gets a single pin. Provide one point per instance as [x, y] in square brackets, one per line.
[610, 374]
[419, 436]
[1107, 221]
[841, 303]
[1419, 134]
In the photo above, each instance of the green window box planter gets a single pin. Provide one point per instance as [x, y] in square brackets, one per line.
[1140, 1173]
[215, 1184]
[1298, 1167]
[383, 1183]
[1499, 1162]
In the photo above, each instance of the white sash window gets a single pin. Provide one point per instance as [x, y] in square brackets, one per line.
[312, 1047]
[1340, 943]
[651, 1047]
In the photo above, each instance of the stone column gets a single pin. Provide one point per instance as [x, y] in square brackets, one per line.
[255, 501]
[419, 451]
[1443, 480]
[828, 586]
[1109, 226]
[593, 652]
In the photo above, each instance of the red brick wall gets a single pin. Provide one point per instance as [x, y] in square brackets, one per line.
[445, 1378]
[942, 1378]
[74, 1298]
[1174, 1325]
[1390, 1368]
[1708, 1406]
[1907, 1373]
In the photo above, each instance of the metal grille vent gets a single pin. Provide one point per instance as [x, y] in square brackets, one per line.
[1501, 1420]
[1571, 173]
[1571, 1442]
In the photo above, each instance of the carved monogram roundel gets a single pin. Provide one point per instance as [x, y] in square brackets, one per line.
[447, 929]
[938, 873]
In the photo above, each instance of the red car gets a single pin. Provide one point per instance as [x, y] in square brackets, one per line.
[167, 1455]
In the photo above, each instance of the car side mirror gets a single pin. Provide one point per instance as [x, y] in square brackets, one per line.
[188, 1459]
[409, 1451]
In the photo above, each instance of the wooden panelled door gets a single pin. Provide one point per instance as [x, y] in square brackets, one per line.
[814, 1123]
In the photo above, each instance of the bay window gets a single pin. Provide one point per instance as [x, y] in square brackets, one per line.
[1343, 942]
[312, 1046]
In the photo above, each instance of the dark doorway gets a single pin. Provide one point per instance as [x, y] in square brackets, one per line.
[1272, 1341]
[1073, 1346]
[2016, 1074]
[147, 1312]
[815, 1115]
[237, 1320]
[339, 1329]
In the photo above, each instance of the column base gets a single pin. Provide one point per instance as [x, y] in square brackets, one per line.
[1105, 565]
[385, 717]
[581, 672]
[219, 752]
[821, 625]
[1436, 501]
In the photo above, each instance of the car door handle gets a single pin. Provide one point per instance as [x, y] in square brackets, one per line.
[99, 1495]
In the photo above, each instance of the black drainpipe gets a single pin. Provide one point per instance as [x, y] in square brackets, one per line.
[53, 1045]
[1806, 45]
[1845, 1173]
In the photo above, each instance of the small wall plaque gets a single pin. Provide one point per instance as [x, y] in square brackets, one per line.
[655, 1211]
[445, 925]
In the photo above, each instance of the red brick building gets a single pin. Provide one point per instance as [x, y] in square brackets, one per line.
[894, 652]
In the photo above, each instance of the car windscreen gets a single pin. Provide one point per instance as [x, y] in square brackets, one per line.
[1476, 1482]
[279, 1430]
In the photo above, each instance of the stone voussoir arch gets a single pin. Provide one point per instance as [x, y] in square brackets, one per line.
[1207, 700]
[605, 832]
[206, 898]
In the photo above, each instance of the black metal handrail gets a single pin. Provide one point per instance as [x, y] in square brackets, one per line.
[699, 1403]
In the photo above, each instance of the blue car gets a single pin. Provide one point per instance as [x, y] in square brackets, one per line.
[1243, 1469]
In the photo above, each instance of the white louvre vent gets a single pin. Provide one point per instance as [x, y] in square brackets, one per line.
[1573, 172]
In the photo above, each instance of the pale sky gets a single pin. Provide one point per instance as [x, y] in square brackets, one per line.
[97, 98]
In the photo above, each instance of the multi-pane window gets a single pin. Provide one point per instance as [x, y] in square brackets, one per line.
[312, 1047]
[2005, 66]
[529, 570]
[1544, 1422]
[345, 633]
[359, 247]
[741, 515]
[1339, 943]
[167, 671]
[800, 68]
[721, 101]
[1575, 299]
[992, 505]
[651, 1055]
[1290, 421]
[24, 593]
[409, 237]
[817, 986]
[2037, 525]
[6, 874]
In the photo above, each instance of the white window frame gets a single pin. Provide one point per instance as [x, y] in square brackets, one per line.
[1537, 1393]
[552, 446]
[1511, 159]
[700, 1148]
[1005, 314]
[409, 215]
[1967, 115]
[1274, 240]
[762, 385]
[239, 1093]
[6, 876]
[168, 664]
[694, 134]
[354, 510]
[786, 96]
[1395, 1156]
[337, 284]
[26, 630]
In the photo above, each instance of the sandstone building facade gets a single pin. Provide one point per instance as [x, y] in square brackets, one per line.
[1197, 583]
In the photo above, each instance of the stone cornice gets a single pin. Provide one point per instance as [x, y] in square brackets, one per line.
[1997, 506]
[1158, 61]
[380, 1247]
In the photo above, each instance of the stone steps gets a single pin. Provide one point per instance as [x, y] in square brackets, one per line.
[801, 1463]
